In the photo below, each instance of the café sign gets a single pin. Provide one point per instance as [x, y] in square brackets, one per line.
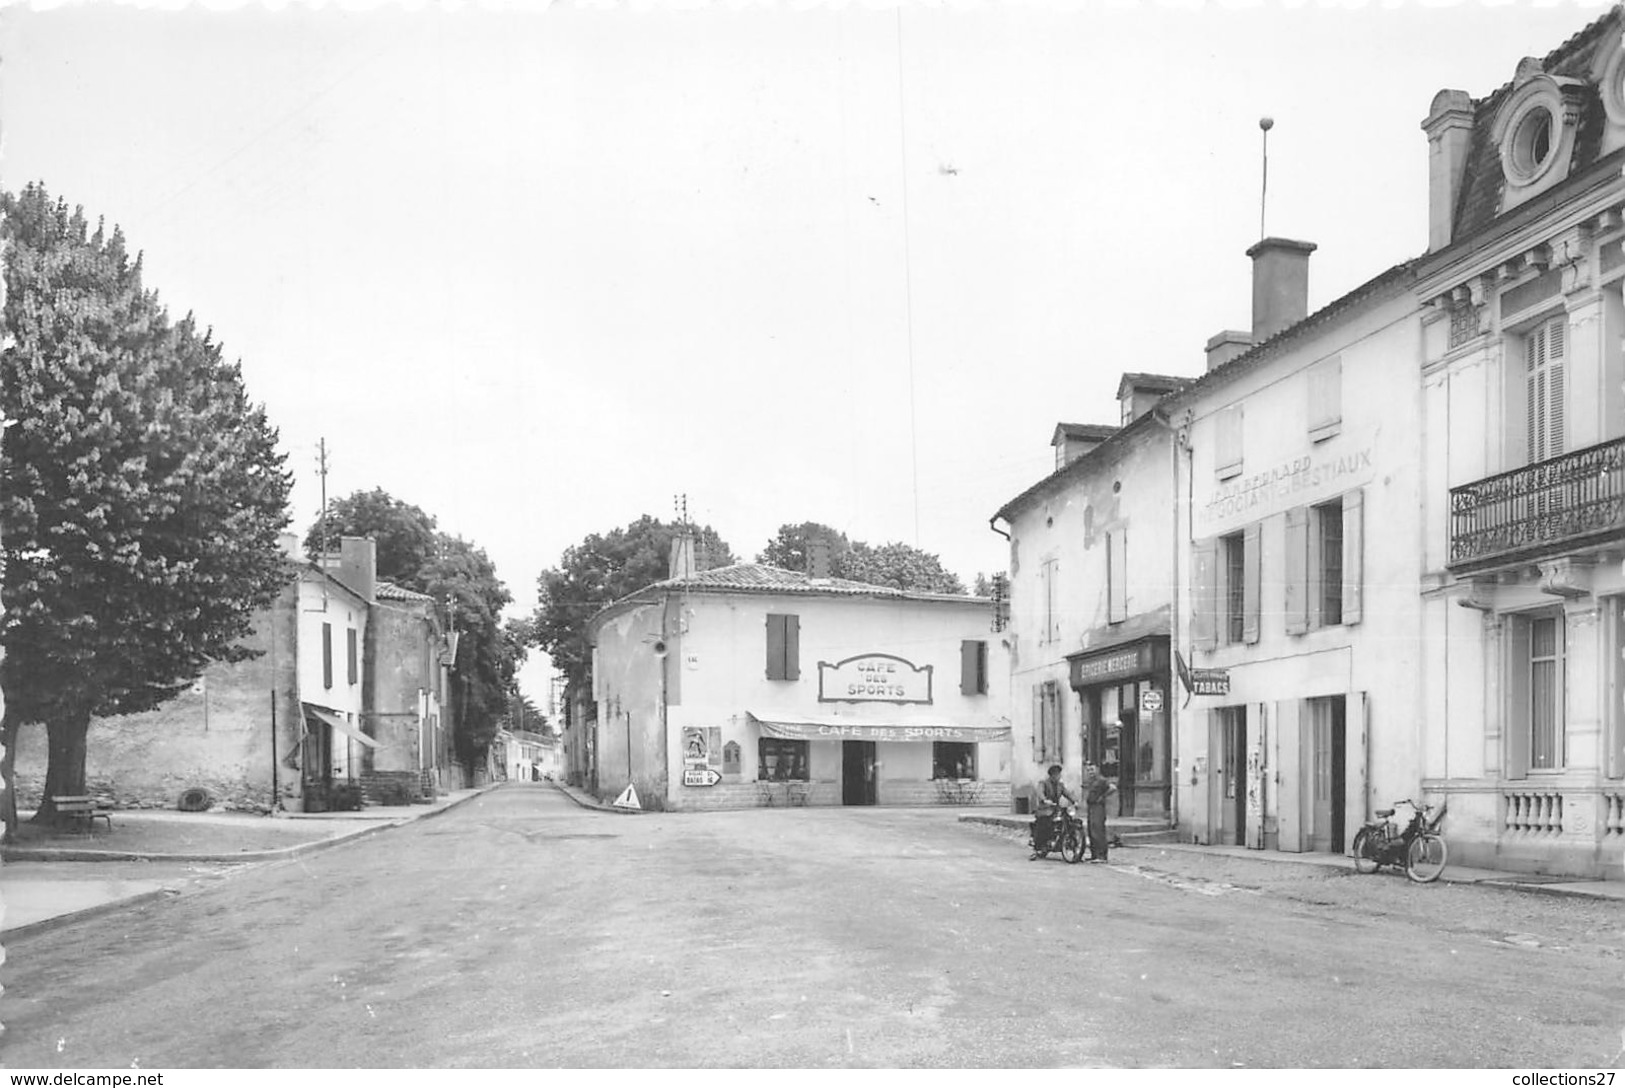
[874, 678]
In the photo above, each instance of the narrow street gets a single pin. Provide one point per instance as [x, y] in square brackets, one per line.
[520, 930]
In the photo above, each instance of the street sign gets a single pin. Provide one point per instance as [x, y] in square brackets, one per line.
[628, 798]
[1150, 701]
[700, 776]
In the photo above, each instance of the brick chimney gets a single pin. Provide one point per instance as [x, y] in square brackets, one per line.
[818, 558]
[682, 555]
[1449, 125]
[1280, 285]
[1226, 345]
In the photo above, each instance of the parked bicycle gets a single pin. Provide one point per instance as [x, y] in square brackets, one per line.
[1417, 847]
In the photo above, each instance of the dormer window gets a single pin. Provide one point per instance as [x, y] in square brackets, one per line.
[1531, 145]
[1535, 131]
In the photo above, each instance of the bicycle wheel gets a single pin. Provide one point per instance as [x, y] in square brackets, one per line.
[1425, 859]
[1072, 843]
[1365, 852]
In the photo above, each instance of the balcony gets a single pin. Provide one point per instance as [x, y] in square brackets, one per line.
[1553, 507]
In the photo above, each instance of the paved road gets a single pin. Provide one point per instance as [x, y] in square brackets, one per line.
[519, 930]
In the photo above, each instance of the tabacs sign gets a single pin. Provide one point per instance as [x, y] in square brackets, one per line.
[1202, 681]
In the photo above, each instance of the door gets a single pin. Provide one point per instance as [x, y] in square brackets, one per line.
[857, 772]
[1327, 758]
[1232, 775]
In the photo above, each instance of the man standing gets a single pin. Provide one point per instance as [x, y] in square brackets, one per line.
[1096, 788]
[1050, 792]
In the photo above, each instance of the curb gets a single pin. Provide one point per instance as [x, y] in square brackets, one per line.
[596, 806]
[284, 853]
[45, 925]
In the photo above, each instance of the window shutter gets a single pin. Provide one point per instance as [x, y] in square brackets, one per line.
[1038, 723]
[792, 647]
[1516, 722]
[1204, 594]
[1353, 553]
[1555, 352]
[350, 654]
[1297, 570]
[1116, 576]
[775, 647]
[970, 653]
[327, 655]
[1250, 559]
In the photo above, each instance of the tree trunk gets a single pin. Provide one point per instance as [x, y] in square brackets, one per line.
[65, 766]
[9, 729]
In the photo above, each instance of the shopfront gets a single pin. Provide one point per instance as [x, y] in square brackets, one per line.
[1123, 691]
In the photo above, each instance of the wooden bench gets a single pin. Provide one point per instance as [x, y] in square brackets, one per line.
[84, 809]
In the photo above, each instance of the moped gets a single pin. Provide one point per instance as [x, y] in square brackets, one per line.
[1065, 836]
[1417, 847]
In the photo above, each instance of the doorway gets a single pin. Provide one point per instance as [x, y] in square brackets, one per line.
[1327, 762]
[1232, 775]
[858, 772]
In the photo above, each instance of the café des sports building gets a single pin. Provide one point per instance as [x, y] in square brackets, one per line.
[749, 686]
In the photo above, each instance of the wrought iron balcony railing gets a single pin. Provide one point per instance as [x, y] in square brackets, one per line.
[1573, 500]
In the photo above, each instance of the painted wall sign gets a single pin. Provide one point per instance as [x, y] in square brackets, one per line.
[874, 678]
[1289, 483]
[967, 734]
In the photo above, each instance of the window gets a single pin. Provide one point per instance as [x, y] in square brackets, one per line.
[1327, 608]
[1325, 399]
[780, 760]
[350, 655]
[327, 655]
[1544, 354]
[1323, 564]
[1227, 452]
[731, 757]
[1047, 723]
[783, 647]
[1546, 693]
[1233, 553]
[1117, 576]
[950, 759]
[973, 667]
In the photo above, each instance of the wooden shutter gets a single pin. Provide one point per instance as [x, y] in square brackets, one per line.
[1038, 724]
[1297, 587]
[1353, 555]
[1515, 718]
[1544, 356]
[327, 655]
[1116, 576]
[350, 654]
[1296, 798]
[1252, 567]
[1325, 398]
[1556, 348]
[972, 667]
[1357, 804]
[792, 647]
[775, 647]
[1204, 594]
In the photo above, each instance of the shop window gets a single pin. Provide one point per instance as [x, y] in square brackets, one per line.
[350, 662]
[783, 647]
[327, 655]
[951, 759]
[1047, 723]
[973, 667]
[731, 757]
[780, 760]
[1227, 443]
[1325, 399]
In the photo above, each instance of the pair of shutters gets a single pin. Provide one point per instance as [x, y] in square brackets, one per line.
[783, 647]
[351, 671]
[1206, 555]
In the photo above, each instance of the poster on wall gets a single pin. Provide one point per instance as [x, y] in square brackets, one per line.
[702, 755]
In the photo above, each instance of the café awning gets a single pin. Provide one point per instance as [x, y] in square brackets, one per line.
[792, 726]
[340, 725]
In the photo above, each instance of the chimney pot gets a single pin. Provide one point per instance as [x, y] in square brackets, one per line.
[818, 558]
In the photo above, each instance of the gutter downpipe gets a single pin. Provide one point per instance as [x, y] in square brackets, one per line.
[995, 528]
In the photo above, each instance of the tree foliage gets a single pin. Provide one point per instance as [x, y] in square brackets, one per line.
[413, 553]
[601, 569]
[141, 493]
[897, 565]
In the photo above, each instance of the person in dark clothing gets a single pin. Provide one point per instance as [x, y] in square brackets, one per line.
[1050, 792]
[1096, 788]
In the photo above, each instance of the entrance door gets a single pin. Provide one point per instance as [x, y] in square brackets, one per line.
[1327, 757]
[1232, 775]
[857, 772]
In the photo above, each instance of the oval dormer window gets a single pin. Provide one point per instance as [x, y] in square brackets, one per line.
[1531, 144]
[1535, 131]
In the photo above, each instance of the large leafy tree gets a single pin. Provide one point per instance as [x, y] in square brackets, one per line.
[897, 565]
[141, 493]
[601, 569]
[414, 553]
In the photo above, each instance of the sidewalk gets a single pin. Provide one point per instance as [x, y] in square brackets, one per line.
[1453, 874]
[40, 888]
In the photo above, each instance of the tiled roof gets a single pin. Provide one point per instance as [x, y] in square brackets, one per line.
[1078, 465]
[389, 591]
[759, 578]
[1153, 383]
[1097, 432]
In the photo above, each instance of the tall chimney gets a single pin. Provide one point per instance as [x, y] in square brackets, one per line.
[682, 555]
[358, 564]
[818, 557]
[1280, 285]
[1449, 126]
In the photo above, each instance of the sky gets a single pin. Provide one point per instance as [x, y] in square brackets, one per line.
[539, 270]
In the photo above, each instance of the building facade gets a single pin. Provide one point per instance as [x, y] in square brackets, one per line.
[1523, 379]
[1091, 594]
[751, 686]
